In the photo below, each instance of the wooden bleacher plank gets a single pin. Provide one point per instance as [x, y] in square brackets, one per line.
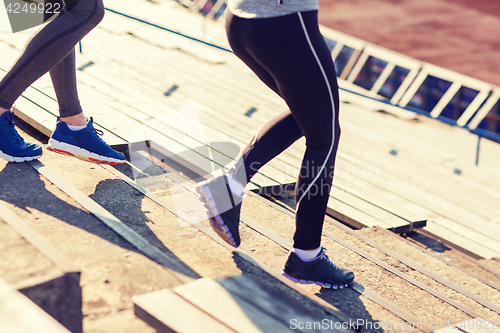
[362, 211]
[433, 201]
[417, 172]
[41, 244]
[171, 15]
[394, 204]
[453, 146]
[221, 304]
[236, 304]
[442, 182]
[248, 306]
[429, 193]
[166, 311]
[428, 146]
[207, 75]
[419, 195]
[475, 325]
[112, 222]
[20, 315]
[246, 289]
[39, 271]
[466, 238]
[446, 197]
[397, 224]
[212, 306]
[431, 137]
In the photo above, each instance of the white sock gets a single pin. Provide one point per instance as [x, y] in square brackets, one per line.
[307, 255]
[235, 186]
[76, 128]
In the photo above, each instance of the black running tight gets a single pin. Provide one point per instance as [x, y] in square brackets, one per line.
[289, 55]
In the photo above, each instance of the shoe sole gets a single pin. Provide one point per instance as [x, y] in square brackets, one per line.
[321, 284]
[19, 159]
[217, 223]
[80, 153]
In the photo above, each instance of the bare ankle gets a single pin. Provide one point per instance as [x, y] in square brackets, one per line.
[76, 120]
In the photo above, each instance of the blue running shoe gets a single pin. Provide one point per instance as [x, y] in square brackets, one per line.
[321, 271]
[223, 208]
[12, 146]
[84, 144]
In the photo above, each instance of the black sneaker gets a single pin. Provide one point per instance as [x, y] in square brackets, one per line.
[321, 271]
[223, 208]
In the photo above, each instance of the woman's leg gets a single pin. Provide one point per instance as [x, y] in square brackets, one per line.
[290, 55]
[52, 49]
[53, 43]
[63, 81]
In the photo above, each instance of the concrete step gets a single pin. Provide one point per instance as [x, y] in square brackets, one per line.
[113, 270]
[18, 314]
[344, 242]
[454, 255]
[413, 277]
[36, 268]
[472, 283]
[103, 185]
[131, 241]
[125, 266]
[261, 247]
[106, 187]
[409, 209]
[242, 303]
[132, 89]
[494, 263]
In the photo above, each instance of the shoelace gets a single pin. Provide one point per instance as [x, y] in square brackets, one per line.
[97, 131]
[9, 130]
[324, 257]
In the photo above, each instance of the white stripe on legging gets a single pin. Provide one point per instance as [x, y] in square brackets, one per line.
[333, 109]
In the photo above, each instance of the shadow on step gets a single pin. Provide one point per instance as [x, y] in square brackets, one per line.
[124, 202]
[346, 300]
[23, 187]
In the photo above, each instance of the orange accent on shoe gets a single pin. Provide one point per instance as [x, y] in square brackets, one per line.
[104, 162]
[59, 151]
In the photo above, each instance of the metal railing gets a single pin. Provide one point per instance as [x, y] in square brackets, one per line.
[420, 87]
[212, 9]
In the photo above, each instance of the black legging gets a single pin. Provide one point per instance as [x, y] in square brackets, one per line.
[289, 54]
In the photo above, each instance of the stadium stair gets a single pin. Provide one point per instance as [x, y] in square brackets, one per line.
[137, 233]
